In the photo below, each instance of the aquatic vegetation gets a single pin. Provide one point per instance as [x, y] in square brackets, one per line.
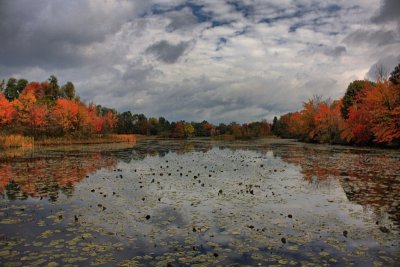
[201, 203]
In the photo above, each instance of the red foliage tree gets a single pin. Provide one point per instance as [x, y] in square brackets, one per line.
[38, 89]
[358, 127]
[64, 115]
[110, 120]
[7, 111]
[31, 115]
[383, 103]
[327, 121]
[95, 123]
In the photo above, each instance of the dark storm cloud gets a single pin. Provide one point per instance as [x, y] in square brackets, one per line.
[167, 52]
[313, 49]
[54, 33]
[201, 98]
[372, 37]
[137, 73]
[389, 11]
[336, 52]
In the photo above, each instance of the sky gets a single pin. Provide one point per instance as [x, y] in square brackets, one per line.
[214, 60]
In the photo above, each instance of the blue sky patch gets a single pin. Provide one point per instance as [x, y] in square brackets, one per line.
[197, 10]
[239, 6]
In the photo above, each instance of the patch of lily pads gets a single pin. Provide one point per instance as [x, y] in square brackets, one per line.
[205, 203]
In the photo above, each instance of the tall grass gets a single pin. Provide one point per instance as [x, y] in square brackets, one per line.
[95, 139]
[15, 140]
[131, 138]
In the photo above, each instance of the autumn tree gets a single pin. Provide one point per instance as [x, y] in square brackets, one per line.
[37, 89]
[208, 128]
[43, 108]
[110, 120]
[327, 122]
[188, 129]
[350, 98]
[357, 128]
[178, 130]
[202, 129]
[307, 119]
[383, 103]
[235, 129]
[38, 119]
[222, 129]
[295, 125]
[31, 115]
[94, 122]
[265, 128]
[64, 115]
[7, 111]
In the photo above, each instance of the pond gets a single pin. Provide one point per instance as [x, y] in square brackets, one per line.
[200, 203]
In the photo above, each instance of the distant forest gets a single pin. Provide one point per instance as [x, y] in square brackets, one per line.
[368, 114]
[46, 109]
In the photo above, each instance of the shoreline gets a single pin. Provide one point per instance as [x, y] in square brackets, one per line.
[29, 142]
[133, 138]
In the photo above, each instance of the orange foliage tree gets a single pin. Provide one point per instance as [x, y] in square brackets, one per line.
[40, 110]
[327, 121]
[64, 116]
[30, 114]
[369, 113]
[94, 123]
[7, 111]
[110, 120]
[307, 117]
[358, 127]
[383, 104]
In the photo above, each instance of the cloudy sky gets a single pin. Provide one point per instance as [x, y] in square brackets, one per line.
[219, 60]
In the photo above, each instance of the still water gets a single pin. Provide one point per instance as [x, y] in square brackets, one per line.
[200, 202]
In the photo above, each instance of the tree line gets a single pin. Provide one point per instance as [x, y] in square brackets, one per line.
[368, 114]
[45, 109]
[140, 124]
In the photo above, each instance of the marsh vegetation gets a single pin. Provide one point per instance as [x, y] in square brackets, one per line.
[200, 202]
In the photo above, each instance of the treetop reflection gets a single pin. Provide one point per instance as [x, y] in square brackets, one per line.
[45, 177]
[369, 179]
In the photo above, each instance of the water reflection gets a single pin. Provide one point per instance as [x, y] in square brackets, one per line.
[369, 179]
[160, 148]
[166, 202]
[47, 177]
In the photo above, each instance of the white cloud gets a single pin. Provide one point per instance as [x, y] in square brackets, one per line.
[213, 60]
